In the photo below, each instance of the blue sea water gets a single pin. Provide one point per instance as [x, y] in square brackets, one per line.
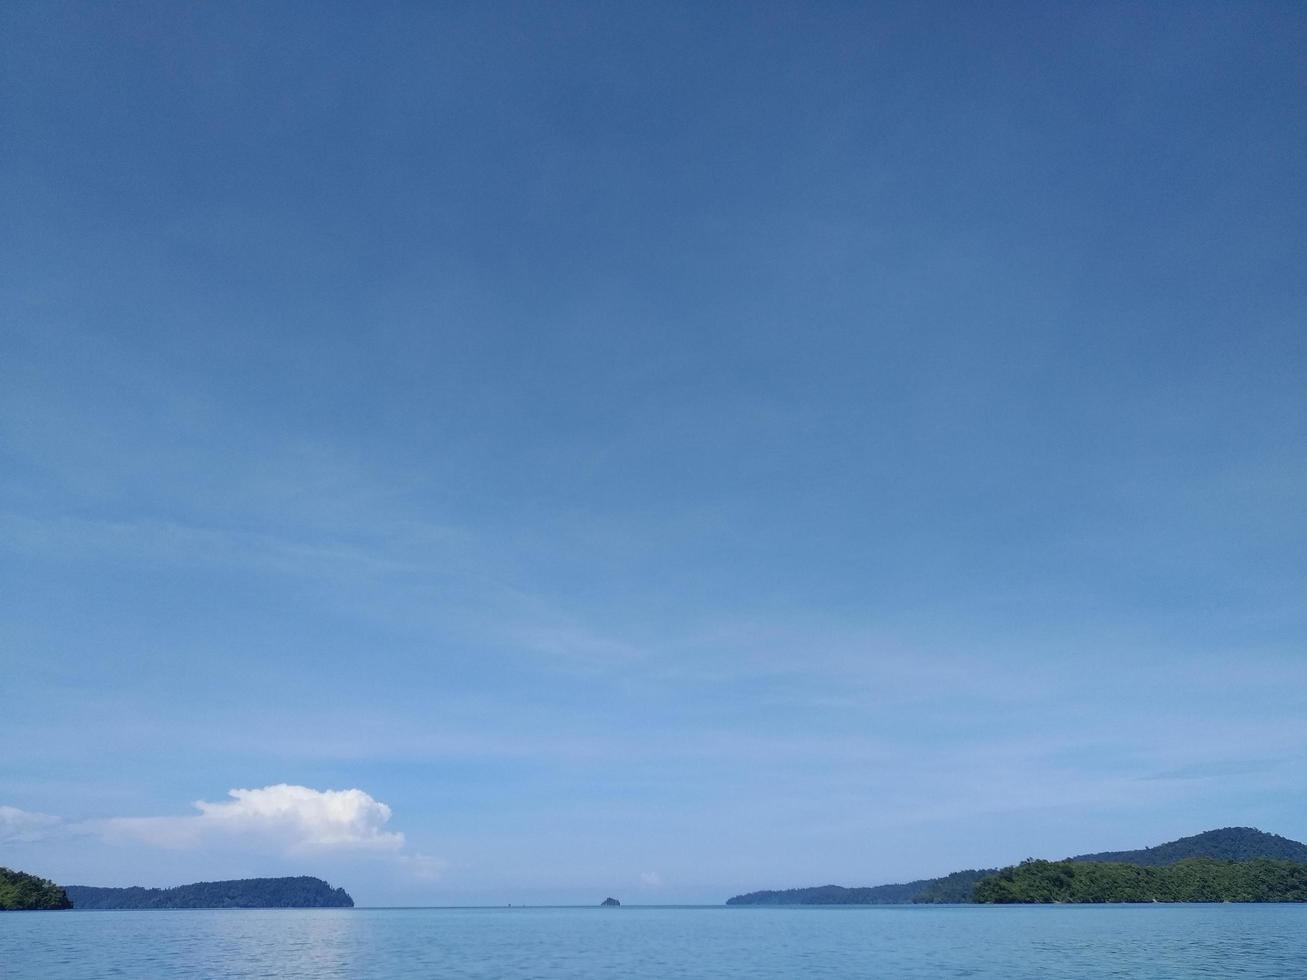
[895, 943]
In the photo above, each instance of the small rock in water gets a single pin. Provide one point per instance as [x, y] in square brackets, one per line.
[609, 903]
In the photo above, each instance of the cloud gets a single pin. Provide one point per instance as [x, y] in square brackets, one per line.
[651, 879]
[1213, 770]
[292, 819]
[423, 866]
[283, 819]
[23, 826]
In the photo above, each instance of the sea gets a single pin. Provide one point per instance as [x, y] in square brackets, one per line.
[1162, 942]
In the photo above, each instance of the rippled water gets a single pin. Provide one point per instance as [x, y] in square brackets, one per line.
[1045, 943]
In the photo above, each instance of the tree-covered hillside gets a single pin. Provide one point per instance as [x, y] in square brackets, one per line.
[1226, 844]
[830, 895]
[21, 892]
[1189, 880]
[248, 893]
[955, 888]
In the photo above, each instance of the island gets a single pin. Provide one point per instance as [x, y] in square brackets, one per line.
[1189, 880]
[247, 893]
[21, 892]
[1236, 864]
[1226, 844]
[609, 903]
[951, 889]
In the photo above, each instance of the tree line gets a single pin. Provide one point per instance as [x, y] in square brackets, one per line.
[1189, 880]
[21, 892]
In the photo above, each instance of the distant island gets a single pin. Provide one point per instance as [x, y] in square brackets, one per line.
[20, 892]
[246, 893]
[609, 903]
[954, 889]
[1234, 864]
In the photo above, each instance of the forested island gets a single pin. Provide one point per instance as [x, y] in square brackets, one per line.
[1227, 844]
[20, 892]
[1188, 880]
[951, 889]
[1234, 864]
[246, 893]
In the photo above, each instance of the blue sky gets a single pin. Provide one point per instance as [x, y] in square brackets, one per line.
[656, 451]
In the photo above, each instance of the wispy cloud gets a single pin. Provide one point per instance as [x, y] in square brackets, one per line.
[423, 866]
[24, 826]
[1213, 770]
[172, 542]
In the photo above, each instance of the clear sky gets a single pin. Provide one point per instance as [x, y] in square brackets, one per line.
[537, 452]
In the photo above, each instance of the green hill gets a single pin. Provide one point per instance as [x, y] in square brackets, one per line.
[1187, 880]
[21, 892]
[1226, 844]
[828, 895]
[246, 893]
[1240, 844]
[955, 888]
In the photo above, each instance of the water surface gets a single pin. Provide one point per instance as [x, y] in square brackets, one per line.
[892, 943]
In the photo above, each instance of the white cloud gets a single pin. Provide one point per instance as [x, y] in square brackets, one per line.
[21, 826]
[283, 819]
[292, 819]
[651, 879]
